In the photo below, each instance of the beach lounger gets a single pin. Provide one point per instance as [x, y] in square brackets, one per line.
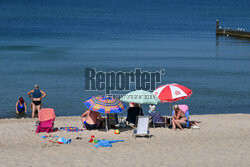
[142, 126]
[46, 118]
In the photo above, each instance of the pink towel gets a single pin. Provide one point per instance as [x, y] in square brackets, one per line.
[46, 114]
[183, 107]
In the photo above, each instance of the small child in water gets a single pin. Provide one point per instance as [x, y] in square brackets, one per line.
[151, 108]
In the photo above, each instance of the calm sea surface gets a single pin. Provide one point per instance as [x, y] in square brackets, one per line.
[52, 42]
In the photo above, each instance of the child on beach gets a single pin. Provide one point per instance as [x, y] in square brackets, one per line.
[151, 108]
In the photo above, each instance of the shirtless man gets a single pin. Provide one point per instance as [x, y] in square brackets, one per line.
[91, 119]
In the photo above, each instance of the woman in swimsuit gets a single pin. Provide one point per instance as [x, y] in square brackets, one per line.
[37, 96]
[21, 107]
[178, 118]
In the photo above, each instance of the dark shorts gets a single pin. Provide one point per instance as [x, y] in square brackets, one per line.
[90, 126]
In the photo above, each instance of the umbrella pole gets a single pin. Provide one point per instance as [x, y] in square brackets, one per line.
[170, 109]
[106, 122]
[170, 121]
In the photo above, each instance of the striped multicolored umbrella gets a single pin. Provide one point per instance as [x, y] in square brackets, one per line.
[104, 104]
[172, 92]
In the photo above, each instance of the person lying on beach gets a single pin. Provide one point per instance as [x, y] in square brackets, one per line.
[21, 107]
[178, 118]
[37, 96]
[91, 119]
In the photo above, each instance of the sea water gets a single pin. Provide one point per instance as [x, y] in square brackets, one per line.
[52, 42]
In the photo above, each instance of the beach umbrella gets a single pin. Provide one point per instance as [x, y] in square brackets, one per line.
[140, 97]
[172, 92]
[104, 104]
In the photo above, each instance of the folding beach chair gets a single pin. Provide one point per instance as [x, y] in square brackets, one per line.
[157, 119]
[142, 127]
[46, 118]
[112, 120]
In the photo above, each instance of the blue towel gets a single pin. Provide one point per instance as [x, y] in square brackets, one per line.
[106, 143]
[64, 140]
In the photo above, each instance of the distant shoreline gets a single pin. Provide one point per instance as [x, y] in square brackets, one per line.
[70, 117]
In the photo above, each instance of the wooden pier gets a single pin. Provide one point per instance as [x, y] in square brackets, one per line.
[230, 32]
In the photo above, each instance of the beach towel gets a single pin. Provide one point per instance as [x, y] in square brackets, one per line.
[46, 114]
[106, 143]
[64, 141]
[46, 117]
[71, 129]
[183, 107]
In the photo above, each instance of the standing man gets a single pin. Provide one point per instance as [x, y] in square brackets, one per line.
[36, 97]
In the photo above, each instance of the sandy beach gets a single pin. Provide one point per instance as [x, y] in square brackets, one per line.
[222, 140]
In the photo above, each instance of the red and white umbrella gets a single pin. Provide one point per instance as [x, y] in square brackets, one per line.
[172, 92]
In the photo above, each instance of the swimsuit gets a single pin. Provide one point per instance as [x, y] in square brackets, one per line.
[90, 126]
[36, 103]
[36, 94]
[20, 108]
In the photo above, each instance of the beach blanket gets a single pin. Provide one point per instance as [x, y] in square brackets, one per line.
[106, 143]
[71, 129]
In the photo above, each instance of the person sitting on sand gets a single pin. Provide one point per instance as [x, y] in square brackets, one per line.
[21, 107]
[91, 119]
[37, 96]
[178, 117]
